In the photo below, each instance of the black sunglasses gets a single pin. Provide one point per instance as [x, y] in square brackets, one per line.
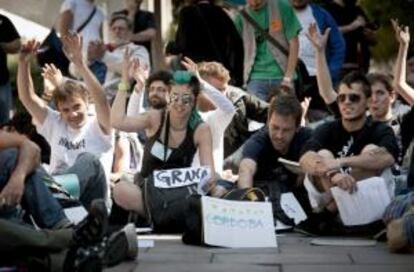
[353, 98]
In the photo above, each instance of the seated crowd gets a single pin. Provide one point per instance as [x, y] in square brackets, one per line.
[110, 136]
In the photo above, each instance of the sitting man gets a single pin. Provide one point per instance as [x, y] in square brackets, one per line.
[282, 137]
[112, 54]
[79, 143]
[349, 149]
[248, 107]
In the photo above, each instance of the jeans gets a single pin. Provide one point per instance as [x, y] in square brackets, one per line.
[37, 199]
[99, 69]
[92, 178]
[5, 103]
[262, 88]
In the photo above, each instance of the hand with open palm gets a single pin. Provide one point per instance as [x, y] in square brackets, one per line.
[318, 41]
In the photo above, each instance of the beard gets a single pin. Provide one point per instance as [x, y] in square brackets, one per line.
[157, 104]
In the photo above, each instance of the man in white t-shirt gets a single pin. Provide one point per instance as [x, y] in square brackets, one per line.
[112, 54]
[308, 14]
[80, 144]
[73, 14]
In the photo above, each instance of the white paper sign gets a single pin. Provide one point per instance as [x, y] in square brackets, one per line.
[290, 205]
[238, 224]
[180, 177]
[75, 214]
[364, 206]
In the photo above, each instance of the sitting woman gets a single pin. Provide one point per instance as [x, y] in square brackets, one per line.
[174, 134]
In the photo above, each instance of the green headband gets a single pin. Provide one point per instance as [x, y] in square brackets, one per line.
[182, 77]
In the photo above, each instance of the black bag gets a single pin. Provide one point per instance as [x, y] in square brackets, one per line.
[193, 229]
[51, 49]
[165, 207]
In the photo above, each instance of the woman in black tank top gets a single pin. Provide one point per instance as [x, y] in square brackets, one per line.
[174, 134]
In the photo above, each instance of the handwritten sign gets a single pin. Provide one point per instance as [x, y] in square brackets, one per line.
[292, 208]
[238, 224]
[180, 177]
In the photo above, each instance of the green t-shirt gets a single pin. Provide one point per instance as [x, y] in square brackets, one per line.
[265, 66]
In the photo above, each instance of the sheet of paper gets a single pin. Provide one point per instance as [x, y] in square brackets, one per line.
[180, 177]
[364, 206]
[292, 166]
[238, 224]
[145, 243]
[75, 214]
[342, 242]
[292, 208]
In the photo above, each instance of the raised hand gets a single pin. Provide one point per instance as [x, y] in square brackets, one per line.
[140, 73]
[52, 75]
[402, 33]
[318, 41]
[191, 66]
[72, 46]
[28, 49]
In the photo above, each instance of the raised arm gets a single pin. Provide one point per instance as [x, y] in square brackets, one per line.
[323, 76]
[402, 35]
[119, 119]
[65, 22]
[219, 100]
[73, 49]
[30, 100]
[28, 160]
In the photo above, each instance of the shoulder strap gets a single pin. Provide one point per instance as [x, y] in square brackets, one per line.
[82, 26]
[265, 34]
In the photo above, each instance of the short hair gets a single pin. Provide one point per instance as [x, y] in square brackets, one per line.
[357, 77]
[68, 89]
[214, 69]
[121, 17]
[381, 78]
[286, 104]
[184, 77]
[162, 75]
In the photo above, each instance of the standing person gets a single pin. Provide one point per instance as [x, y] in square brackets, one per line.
[73, 14]
[206, 33]
[80, 144]
[353, 23]
[335, 52]
[265, 67]
[9, 44]
[143, 23]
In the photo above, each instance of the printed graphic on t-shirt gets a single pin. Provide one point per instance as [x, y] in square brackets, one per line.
[69, 145]
[345, 149]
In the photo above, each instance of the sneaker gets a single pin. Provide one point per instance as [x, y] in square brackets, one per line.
[317, 224]
[92, 228]
[120, 246]
[84, 259]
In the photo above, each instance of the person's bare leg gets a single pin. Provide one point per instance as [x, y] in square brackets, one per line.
[129, 197]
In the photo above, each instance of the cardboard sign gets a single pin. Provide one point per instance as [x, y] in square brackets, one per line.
[181, 177]
[292, 208]
[238, 224]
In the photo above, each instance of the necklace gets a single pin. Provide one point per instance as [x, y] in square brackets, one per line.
[178, 129]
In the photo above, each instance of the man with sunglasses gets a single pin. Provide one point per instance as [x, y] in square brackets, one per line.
[346, 150]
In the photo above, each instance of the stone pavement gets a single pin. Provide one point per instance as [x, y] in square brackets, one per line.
[294, 254]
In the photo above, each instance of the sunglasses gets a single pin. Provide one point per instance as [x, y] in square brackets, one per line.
[186, 99]
[353, 98]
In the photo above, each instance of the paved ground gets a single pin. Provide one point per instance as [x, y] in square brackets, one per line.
[294, 254]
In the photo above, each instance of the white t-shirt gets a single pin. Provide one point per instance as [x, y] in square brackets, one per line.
[218, 120]
[306, 50]
[81, 10]
[67, 143]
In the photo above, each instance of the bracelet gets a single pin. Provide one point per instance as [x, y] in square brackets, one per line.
[123, 86]
[287, 79]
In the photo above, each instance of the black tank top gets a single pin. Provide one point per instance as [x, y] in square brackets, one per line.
[180, 157]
